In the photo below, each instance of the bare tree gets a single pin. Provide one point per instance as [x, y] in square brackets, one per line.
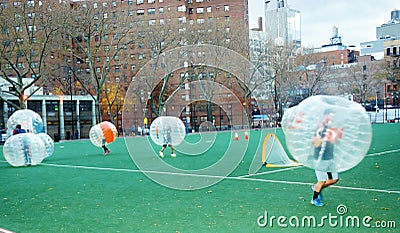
[362, 80]
[280, 64]
[155, 38]
[99, 38]
[313, 71]
[27, 39]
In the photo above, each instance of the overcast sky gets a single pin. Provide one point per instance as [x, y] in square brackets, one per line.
[356, 20]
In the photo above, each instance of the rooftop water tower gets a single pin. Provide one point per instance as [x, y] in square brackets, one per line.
[335, 39]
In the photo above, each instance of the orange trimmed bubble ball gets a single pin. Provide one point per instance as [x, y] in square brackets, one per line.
[103, 133]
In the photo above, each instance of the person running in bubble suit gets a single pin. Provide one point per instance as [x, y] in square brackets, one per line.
[325, 138]
[167, 137]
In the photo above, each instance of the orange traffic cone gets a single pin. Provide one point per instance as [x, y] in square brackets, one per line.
[236, 136]
[246, 136]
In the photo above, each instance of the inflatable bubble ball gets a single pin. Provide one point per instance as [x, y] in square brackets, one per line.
[327, 133]
[24, 149]
[48, 142]
[103, 133]
[167, 130]
[28, 119]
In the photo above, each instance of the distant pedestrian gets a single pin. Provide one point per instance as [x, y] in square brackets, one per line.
[133, 130]
[167, 137]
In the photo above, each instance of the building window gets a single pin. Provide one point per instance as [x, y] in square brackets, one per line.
[209, 9]
[151, 1]
[161, 10]
[226, 8]
[151, 11]
[152, 22]
[182, 19]
[140, 12]
[200, 10]
[30, 3]
[182, 8]
[199, 0]
[200, 21]
[32, 28]
[139, 2]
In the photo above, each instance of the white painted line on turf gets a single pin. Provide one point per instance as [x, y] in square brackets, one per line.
[269, 172]
[384, 152]
[220, 177]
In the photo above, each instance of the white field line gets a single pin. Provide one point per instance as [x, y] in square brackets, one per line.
[244, 177]
[221, 177]
[383, 153]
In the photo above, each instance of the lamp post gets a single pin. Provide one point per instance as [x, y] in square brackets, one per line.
[220, 118]
[385, 103]
[134, 113]
[119, 106]
[72, 105]
[244, 105]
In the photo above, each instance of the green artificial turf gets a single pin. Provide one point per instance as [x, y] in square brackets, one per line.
[80, 190]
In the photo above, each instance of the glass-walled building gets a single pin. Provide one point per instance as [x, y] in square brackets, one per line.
[64, 117]
[282, 24]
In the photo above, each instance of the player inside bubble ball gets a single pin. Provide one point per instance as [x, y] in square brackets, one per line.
[324, 140]
[167, 137]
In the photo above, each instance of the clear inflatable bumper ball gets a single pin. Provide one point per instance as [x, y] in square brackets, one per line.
[48, 142]
[327, 133]
[24, 149]
[28, 119]
[167, 130]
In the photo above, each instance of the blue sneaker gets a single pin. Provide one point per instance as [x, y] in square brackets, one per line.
[317, 202]
[319, 195]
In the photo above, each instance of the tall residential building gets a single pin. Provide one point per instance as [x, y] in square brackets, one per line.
[282, 23]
